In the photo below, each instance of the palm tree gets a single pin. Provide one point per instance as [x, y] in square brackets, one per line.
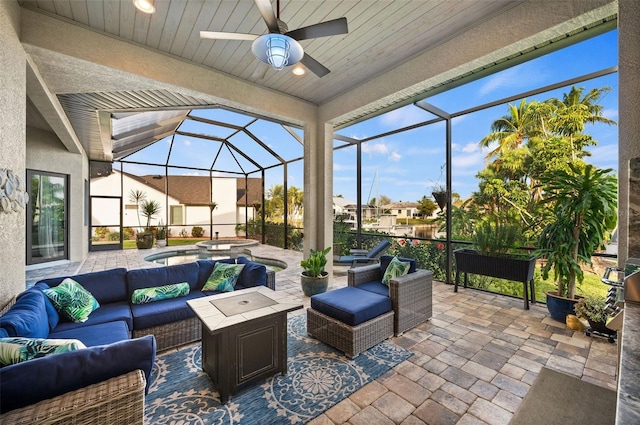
[149, 209]
[137, 196]
[574, 111]
[511, 131]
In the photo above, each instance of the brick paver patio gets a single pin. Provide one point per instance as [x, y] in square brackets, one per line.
[473, 362]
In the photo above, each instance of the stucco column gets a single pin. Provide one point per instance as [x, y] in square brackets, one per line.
[628, 123]
[318, 188]
[12, 146]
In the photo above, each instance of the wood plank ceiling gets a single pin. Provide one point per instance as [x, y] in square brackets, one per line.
[382, 34]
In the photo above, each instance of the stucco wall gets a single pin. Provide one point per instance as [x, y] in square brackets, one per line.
[12, 146]
[45, 152]
[629, 114]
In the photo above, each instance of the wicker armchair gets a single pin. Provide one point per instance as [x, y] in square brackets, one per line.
[119, 400]
[410, 294]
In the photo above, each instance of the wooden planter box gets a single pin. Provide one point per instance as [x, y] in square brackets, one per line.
[509, 268]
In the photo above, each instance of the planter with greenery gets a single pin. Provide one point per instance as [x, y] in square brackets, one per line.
[494, 257]
[592, 309]
[161, 235]
[314, 279]
[583, 209]
[148, 209]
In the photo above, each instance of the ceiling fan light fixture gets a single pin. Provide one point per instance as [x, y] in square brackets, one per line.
[277, 50]
[145, 6]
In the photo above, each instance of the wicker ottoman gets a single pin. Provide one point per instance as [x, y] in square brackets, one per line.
[350, 319]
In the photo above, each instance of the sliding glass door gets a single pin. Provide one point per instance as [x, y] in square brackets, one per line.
[47, 233]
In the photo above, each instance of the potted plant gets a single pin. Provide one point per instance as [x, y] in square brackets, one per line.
[583, 201]
[314, 279]
[148, 209]
[161, 235]
[593, 309]
[439, 190]
[494, 255]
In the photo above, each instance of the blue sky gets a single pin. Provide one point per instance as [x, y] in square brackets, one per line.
[408, 164]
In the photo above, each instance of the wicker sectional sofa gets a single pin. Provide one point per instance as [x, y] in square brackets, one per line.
[106, 382]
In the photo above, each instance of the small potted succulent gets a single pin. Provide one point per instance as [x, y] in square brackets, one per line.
[161, 235]
[314, 279]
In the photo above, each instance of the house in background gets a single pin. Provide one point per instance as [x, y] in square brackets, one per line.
[186, 204]
[402, 210]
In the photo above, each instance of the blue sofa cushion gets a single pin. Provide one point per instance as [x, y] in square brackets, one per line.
[157, 276]
[52, 313]
[205, 268]
[40, 379]
[163, 312]
[27, 317]
[100, 334]
[119, 311]
[253, 274]
[3, 333]
[386, 259]
[377, 287]
[107, 286]
[351, 305]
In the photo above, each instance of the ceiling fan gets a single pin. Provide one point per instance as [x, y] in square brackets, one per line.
[280, 48]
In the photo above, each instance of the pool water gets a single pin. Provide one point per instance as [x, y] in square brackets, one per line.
[170, 258]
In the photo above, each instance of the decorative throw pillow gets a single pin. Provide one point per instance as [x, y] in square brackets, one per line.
[395, 268]
[157, 293]
[18, 349]
[72, 300]
[223, 277]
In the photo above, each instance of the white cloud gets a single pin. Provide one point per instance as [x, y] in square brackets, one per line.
[612, 114]
[373, 148]
[605, 156]
[403, 117]
[192, 173]
[513, 78]
[187, 142]
[395, 157]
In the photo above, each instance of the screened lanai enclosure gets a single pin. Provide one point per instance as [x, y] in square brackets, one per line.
[205, 173]
[214, 173]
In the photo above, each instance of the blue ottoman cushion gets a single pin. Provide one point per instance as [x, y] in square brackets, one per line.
[376, 287]
[351, 305]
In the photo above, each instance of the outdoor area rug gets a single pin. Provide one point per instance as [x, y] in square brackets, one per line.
[317, 378]
[558, 398]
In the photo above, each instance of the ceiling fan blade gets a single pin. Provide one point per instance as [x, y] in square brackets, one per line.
[266, 10]
[314, 66]
[323, 29]
[227, 35]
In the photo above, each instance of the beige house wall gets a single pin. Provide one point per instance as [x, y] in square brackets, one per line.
[12, 146]
[45, 152]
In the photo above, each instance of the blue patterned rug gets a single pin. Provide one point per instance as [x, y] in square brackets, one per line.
[317, 378]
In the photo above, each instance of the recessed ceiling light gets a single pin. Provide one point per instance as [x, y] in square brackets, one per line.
[145, 6]
[298, 70]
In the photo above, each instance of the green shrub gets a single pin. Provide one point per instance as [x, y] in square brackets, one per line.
[197, 231]
[113, 236]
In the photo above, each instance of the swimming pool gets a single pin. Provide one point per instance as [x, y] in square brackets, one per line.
[169, 258]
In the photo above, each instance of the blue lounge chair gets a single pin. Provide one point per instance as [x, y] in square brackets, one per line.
[364, 257]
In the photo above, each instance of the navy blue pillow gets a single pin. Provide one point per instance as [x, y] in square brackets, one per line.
[106, 286]
[27, 317]
[386, 259]
[253, 274]
[39, 379]
[187, 272]
[52, 313]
